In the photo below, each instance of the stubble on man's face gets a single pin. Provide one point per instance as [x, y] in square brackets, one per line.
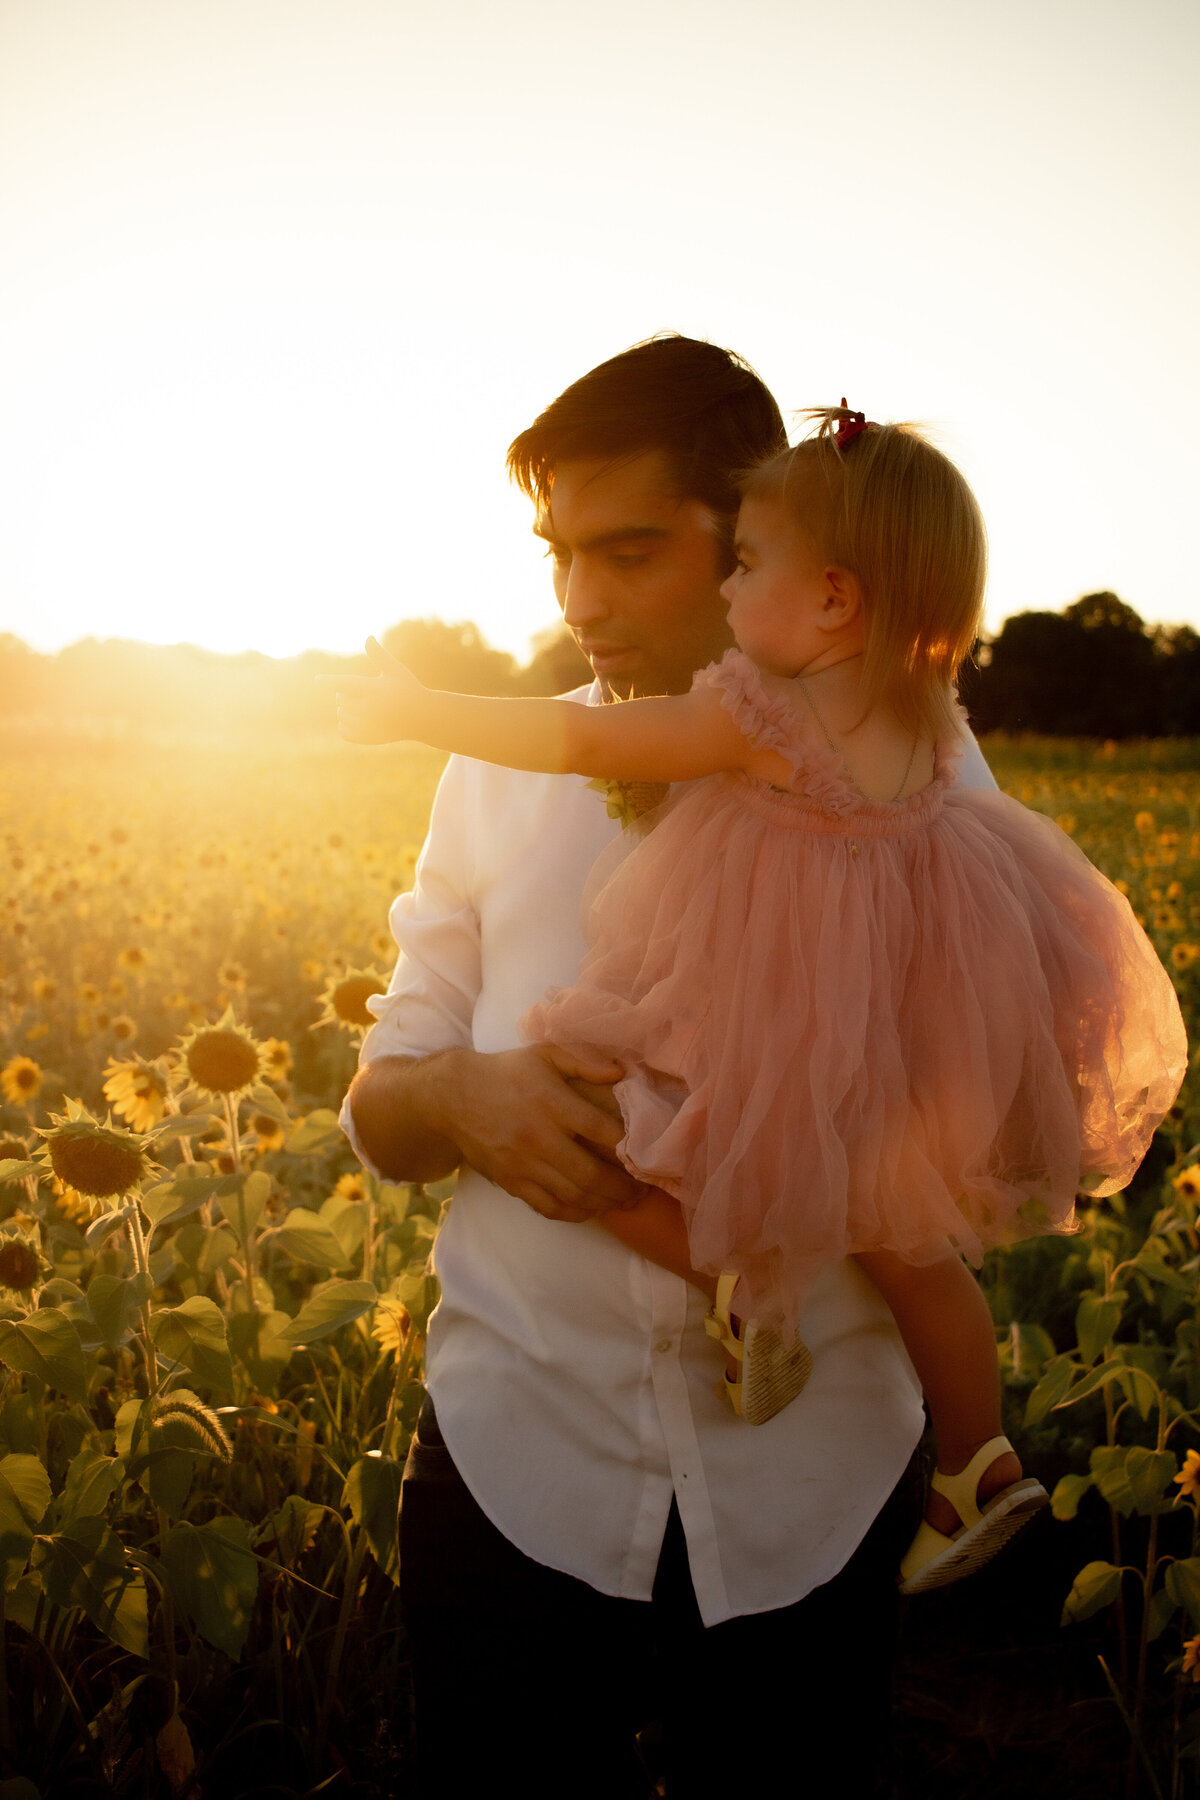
[637, 573]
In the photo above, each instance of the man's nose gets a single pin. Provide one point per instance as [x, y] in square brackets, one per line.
[583, 597]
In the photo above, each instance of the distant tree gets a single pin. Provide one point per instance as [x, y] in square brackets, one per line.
[456, 658]
[1091, 671]
[1177, 655]
[557, 664]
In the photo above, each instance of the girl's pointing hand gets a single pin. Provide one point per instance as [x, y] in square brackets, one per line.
[381, 707]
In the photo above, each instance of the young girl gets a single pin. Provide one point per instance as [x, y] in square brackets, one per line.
[861, 1012]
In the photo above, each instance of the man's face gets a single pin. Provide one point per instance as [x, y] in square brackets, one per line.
[637, 573]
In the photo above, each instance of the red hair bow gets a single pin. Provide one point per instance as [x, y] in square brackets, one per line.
[848, 429]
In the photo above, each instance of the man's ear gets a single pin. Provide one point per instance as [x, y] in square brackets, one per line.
[843, 601]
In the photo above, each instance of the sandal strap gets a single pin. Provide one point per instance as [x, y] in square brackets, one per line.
[962, 1490]
[717, 1320]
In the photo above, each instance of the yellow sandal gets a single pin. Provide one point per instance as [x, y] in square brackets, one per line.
[770, 1374]
[933, 1559]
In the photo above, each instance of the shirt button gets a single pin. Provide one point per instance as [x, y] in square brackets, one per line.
[663, 1345]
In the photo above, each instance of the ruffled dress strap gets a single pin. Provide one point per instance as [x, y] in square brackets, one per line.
[770, 723]
[819, 774]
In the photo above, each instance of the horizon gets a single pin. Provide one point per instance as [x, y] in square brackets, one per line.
[277, 288]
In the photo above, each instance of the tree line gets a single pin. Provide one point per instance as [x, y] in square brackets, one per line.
[1094, 670]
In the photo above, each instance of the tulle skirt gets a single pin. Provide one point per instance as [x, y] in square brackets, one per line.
[842, 1039]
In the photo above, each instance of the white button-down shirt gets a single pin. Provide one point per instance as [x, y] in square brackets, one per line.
[574, 1383]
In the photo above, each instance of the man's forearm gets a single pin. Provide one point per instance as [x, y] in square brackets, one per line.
[396, 1103]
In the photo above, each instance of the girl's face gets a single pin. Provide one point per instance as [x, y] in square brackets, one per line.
[777, 593]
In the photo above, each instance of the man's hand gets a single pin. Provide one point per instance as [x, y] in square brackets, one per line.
[379, 708]
[520, 1118]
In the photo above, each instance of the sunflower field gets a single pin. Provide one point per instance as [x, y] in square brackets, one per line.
[212, 1321]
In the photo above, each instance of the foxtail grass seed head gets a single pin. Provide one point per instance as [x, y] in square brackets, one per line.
[101, 1162]
[222, 1058]
[182, 1407]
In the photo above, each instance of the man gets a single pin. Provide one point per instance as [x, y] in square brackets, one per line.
[590, 1537]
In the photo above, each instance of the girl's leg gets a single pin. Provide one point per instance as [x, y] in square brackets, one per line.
[948, 1332]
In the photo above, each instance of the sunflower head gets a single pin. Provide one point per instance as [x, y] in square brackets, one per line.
[13, 1148]
[12, 1193]
[277, 1059]
[72, 1206]
[101, 1162]
[22, 1265]
[20, 1079]
[268, 1131]
[344, 1001]
[136, 1090]
[392, 1324]
[222, 1058]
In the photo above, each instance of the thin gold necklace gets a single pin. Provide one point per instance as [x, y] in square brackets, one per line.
[825, 730]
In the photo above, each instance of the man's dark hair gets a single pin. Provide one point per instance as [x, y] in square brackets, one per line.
[703, 407]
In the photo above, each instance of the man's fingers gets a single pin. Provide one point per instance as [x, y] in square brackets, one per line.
[583, 1063]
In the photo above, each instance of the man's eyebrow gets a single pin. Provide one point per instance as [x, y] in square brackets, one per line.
[603, 540]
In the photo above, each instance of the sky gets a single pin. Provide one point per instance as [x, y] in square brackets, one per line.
[280, 280]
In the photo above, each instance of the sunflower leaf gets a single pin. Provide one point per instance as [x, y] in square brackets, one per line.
[330, 1306]
[46, 1345]
[194, 1335]
[213, 1575]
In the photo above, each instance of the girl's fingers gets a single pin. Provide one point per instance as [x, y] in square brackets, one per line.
[379, 656]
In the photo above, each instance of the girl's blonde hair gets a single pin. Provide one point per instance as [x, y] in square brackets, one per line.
[883, 503]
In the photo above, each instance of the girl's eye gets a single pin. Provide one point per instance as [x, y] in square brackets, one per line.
[740, 567]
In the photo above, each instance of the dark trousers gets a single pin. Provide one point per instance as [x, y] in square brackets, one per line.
[529, 1681]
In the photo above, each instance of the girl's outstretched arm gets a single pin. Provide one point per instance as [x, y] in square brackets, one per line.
[678, 738]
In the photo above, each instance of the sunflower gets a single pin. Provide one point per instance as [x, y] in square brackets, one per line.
[1188, 1478]
[72, 1205]
[1187, 1182]
[392, 1324]
[101, 1162]
[13, 1149]
[1184, 955]
[87, 993]
[351, 1187]
[22, 1265]
[123, 1028]
[133, 958]
[44, 987]
[136, 1091]
[231, 974]
[268, 1131]
[277, 1059]
[222, 1058]
[344, 1001]
[1191, 1658]
[20, 1078]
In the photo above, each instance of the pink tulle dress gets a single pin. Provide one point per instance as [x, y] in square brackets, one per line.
[856, 1025]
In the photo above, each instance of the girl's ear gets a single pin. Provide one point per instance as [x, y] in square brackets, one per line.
[843, 603]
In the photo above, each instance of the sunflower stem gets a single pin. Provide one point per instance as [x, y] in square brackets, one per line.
[249, 1238]
[137, 1238]
[5, 1727]
[403, 1365]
